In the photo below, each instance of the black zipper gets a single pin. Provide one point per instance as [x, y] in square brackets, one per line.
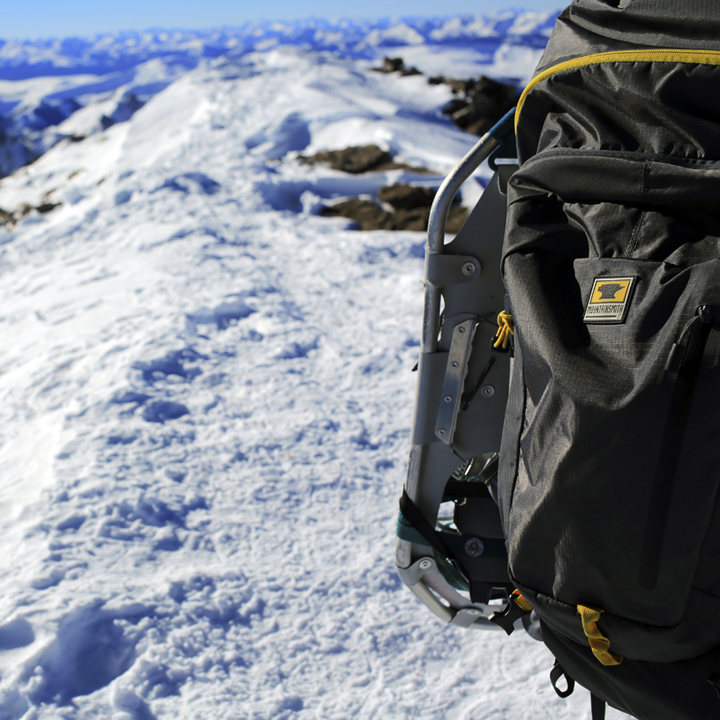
[684, 361]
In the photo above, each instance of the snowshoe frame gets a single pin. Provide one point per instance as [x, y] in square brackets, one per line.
[459, 570]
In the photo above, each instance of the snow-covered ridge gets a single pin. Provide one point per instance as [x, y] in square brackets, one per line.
[114, 52]
[74, 87]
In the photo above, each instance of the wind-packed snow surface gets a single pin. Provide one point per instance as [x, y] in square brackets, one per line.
[205, 399]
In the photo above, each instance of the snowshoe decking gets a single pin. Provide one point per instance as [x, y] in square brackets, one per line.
[457, 565]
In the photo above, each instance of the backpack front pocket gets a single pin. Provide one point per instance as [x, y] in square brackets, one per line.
[609, 506]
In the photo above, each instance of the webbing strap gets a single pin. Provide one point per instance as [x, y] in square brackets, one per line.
[413, 515]
[461, 489]
[599, 644]
[597, 708]
[479, 591]
[520, 601]
[597, 705]
[557, 672]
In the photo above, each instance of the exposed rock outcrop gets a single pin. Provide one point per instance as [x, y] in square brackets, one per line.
[410, 210]
[10, 219]
[407, 197]
[391, 65]
[481, 102]
[484, 102]
[357, 159]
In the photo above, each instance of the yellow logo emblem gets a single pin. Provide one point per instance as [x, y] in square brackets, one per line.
[609, 300]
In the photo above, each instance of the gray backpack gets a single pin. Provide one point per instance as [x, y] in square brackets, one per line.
[609, 464]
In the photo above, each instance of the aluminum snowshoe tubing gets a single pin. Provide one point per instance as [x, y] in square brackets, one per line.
[457, 565]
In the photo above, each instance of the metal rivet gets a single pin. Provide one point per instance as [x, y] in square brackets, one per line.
[473, 612]
[468, 268]
[454, 363]
[448, 398]
[474, 547]
[488, 391]
[425, 564]
[461, 330]
[442, 432]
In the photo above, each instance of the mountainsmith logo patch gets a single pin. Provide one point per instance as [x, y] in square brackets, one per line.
[609, 300]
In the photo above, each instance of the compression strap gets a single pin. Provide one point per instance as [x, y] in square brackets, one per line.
[599, 644]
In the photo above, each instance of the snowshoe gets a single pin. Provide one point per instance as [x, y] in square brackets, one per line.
[456, 562]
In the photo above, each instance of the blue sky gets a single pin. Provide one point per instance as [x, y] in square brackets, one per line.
[52, 18]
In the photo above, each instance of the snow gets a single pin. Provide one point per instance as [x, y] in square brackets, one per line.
[205, 398]
[72, 87]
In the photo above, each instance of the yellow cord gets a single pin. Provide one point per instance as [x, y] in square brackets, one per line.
[505, 330]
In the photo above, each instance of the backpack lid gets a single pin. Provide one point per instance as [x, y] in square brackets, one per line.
[595, 26]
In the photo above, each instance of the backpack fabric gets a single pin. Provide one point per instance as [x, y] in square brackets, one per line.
[609, 473]
[642, 689]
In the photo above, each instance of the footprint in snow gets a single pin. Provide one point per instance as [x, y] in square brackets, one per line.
[192, 182]
[222, 315]
[180, 363]
[90, 650]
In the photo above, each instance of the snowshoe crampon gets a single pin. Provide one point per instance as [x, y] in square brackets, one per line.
[456, 561]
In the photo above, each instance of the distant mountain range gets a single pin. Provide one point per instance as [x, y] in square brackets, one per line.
[121, 51]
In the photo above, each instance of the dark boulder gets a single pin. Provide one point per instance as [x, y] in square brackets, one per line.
[454, 105]
[46, 207]
[411, 210]
[485, 102]
[482, 103]
[391, 65]
[357, 159]
[407, 197]
[415, 219]
[368, 215]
